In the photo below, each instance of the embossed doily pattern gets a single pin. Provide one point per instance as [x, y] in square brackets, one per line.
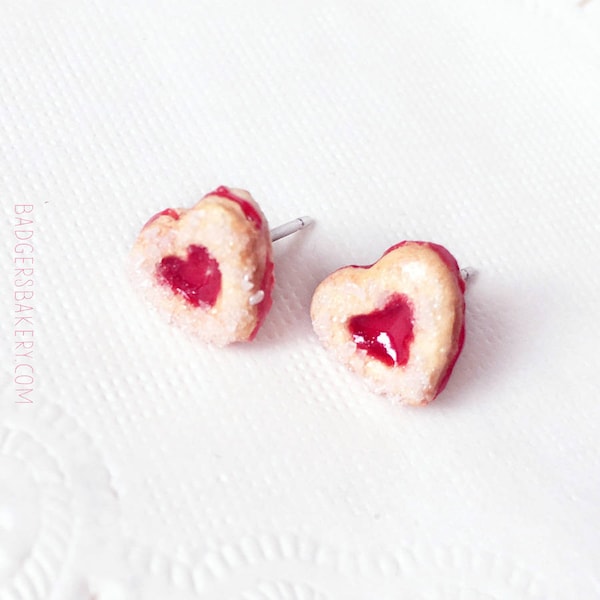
[288, 567]
[55, 498]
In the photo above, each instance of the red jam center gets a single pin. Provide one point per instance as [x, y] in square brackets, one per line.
[197, 278]
[386, 334]
[247, 208]
[169, 212]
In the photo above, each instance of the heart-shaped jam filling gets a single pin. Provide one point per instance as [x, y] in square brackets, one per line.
[197, 278]
[386, 333]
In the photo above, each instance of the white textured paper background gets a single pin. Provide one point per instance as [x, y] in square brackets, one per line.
[151, 467]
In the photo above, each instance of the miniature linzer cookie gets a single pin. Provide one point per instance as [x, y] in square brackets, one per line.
[399, 322]
[209, 268]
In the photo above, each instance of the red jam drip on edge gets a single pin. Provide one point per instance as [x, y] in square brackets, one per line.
[197, 278]
[446, 376]
[247, 208]
[169, 212]
[386, 334]
[263, 307]
[451, 263]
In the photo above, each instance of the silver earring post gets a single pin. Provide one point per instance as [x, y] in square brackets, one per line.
[467, 273]
[290, 227]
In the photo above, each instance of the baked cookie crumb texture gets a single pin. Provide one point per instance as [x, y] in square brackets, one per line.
[399, 322]
[209, 268]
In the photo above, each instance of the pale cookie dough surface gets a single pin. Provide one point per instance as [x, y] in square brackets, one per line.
[435, 291]
[242, 249]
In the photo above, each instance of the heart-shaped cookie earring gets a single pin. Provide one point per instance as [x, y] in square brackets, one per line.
[399, 322]
[209, 268]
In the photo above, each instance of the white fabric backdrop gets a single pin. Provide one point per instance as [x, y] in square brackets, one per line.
[148, 466]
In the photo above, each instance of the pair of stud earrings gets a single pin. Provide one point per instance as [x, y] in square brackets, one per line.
[399, 323]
